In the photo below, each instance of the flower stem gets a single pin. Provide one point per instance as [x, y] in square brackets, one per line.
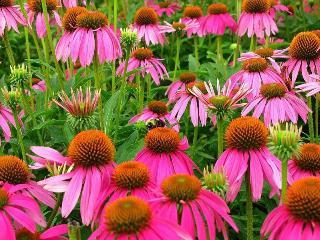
[8, 48]
[148, 81]
[176, 62]
[74, 232]
[249, 207]
[194, 141]
[253, 43]
[54, 211]
[97, 83]
[196, 50]
[19, 134]
[284, 174]
[220, 135]
[316, 120]
[140, 93]
[310, 121]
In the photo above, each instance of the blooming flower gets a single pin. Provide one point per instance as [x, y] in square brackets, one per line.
[306, 162]
[276, 6]
[179, 27]
[193, 13]
[298, 217]
[92, 154]
[255, 19]
[217, 20]
[17, 209]
[144, 58]
[16, 172]
[182, 194]
[164, 154]
[166, 7]
[184, 79]
[132, 217]
[156, 110]
[304, 52]
[54, 233]
[10, 16]
[312, 87]
[277, 104]
[93, 35]
[39, 84]
[146, 23]
[254, 73]
[35, 13]
[246, 140]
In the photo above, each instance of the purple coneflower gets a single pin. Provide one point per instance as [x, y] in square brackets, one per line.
[193, 13]
[181, 84]
[181, 26]
[53, 233]
[39, 84]
[312, 87]
[276, 6]
[166, 7]
[10, 16]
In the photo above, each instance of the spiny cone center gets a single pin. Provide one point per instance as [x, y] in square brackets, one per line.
[305, 46]
[256, 6]
[146, 16]
[142, 54]
[91, 148]
[69, 21]
[91, 20]
[13, 170]
[35, 6]
[264, 52]
[246, 133]
[158, 107]
[162, 140]
[255, 65]
[187, 77]
[127, 215]
[6, 3]
[25, 234]
[178, 26]
[193, 12]
[4, 198]
[219, 101]
[273, 90]
[131, 175]
[181, 187]
[303, 199]
[316, 32]
[217, 8]
[165, 4]
[309, 157]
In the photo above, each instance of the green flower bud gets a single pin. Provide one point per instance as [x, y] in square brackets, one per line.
[19, 75]
[128, 39]
[215, 181]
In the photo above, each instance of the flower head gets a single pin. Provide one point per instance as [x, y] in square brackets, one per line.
[10, 16]
[194, 14]
[180, 27]
[167, 7]
[129, 38]
[19, 75]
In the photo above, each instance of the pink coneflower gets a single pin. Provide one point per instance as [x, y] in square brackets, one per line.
[277, 105]
[254, 73]
[166, 7]
[246, 140]
[312, 87]
[133, 218]
[182, 98]
[268, 53]
[146, 23]
[156, 110]
[304, 52]
[16, 172]
[306, 162]
[298, 217]
[93, 35]
[69, 23]
[255, 19]
[164, 154]
[181, 84]
[53, 233]
[35, 13]
[17, 209]
[193, 13]
[10, 16]
[91, 153]
[276, 6]
[217, 20]
[143, 58]
[184, 201]
[39, 84]
[179, 27]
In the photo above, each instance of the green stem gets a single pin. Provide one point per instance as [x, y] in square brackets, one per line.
[284, 174]
[219, 49]
[196, 51]
[47, 59]
[253, 43]
[220, 135]
[140, 93]
[55, 211]
[74, 231]
[8, 48]
[316, 120]
[97, 84]
[267, 41]
[19, 134]
[194, 141]
[177, 62]
[148, 81]
[249, 207]
[310, 121]
[115, 14]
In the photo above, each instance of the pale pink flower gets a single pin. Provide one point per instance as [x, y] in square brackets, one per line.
[143, 58]
[10, 17]
[277, 105]
[166, 7]
[246, 139]
[181, 84]
[164, 154]
[193, 13]
[312, 87]
[180, 27]
[53, 233]
[200, 209]
[276, 6]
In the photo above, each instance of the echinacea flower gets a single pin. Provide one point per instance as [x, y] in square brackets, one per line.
[217, 20]
[197, 210]
[306, 162]
[184, 79]
[69, 24]
[17, 209]
[164, 154]
[312, 87]
[166, 7]
[255, 19]
[304, 53]
[131, 217]
[254, 73]
[246, 140]
[53, 233]
[179, 27]
[277, 104]
[298, 217]
[39, 84]
[268, 53]
[93, 35]
[156, 110]
[146, 23]
[16, 172]
[193, 13]
[276, 6]
[183, 97]
[10, 16]
[35, 13]
[91, 153]
[144, 58]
